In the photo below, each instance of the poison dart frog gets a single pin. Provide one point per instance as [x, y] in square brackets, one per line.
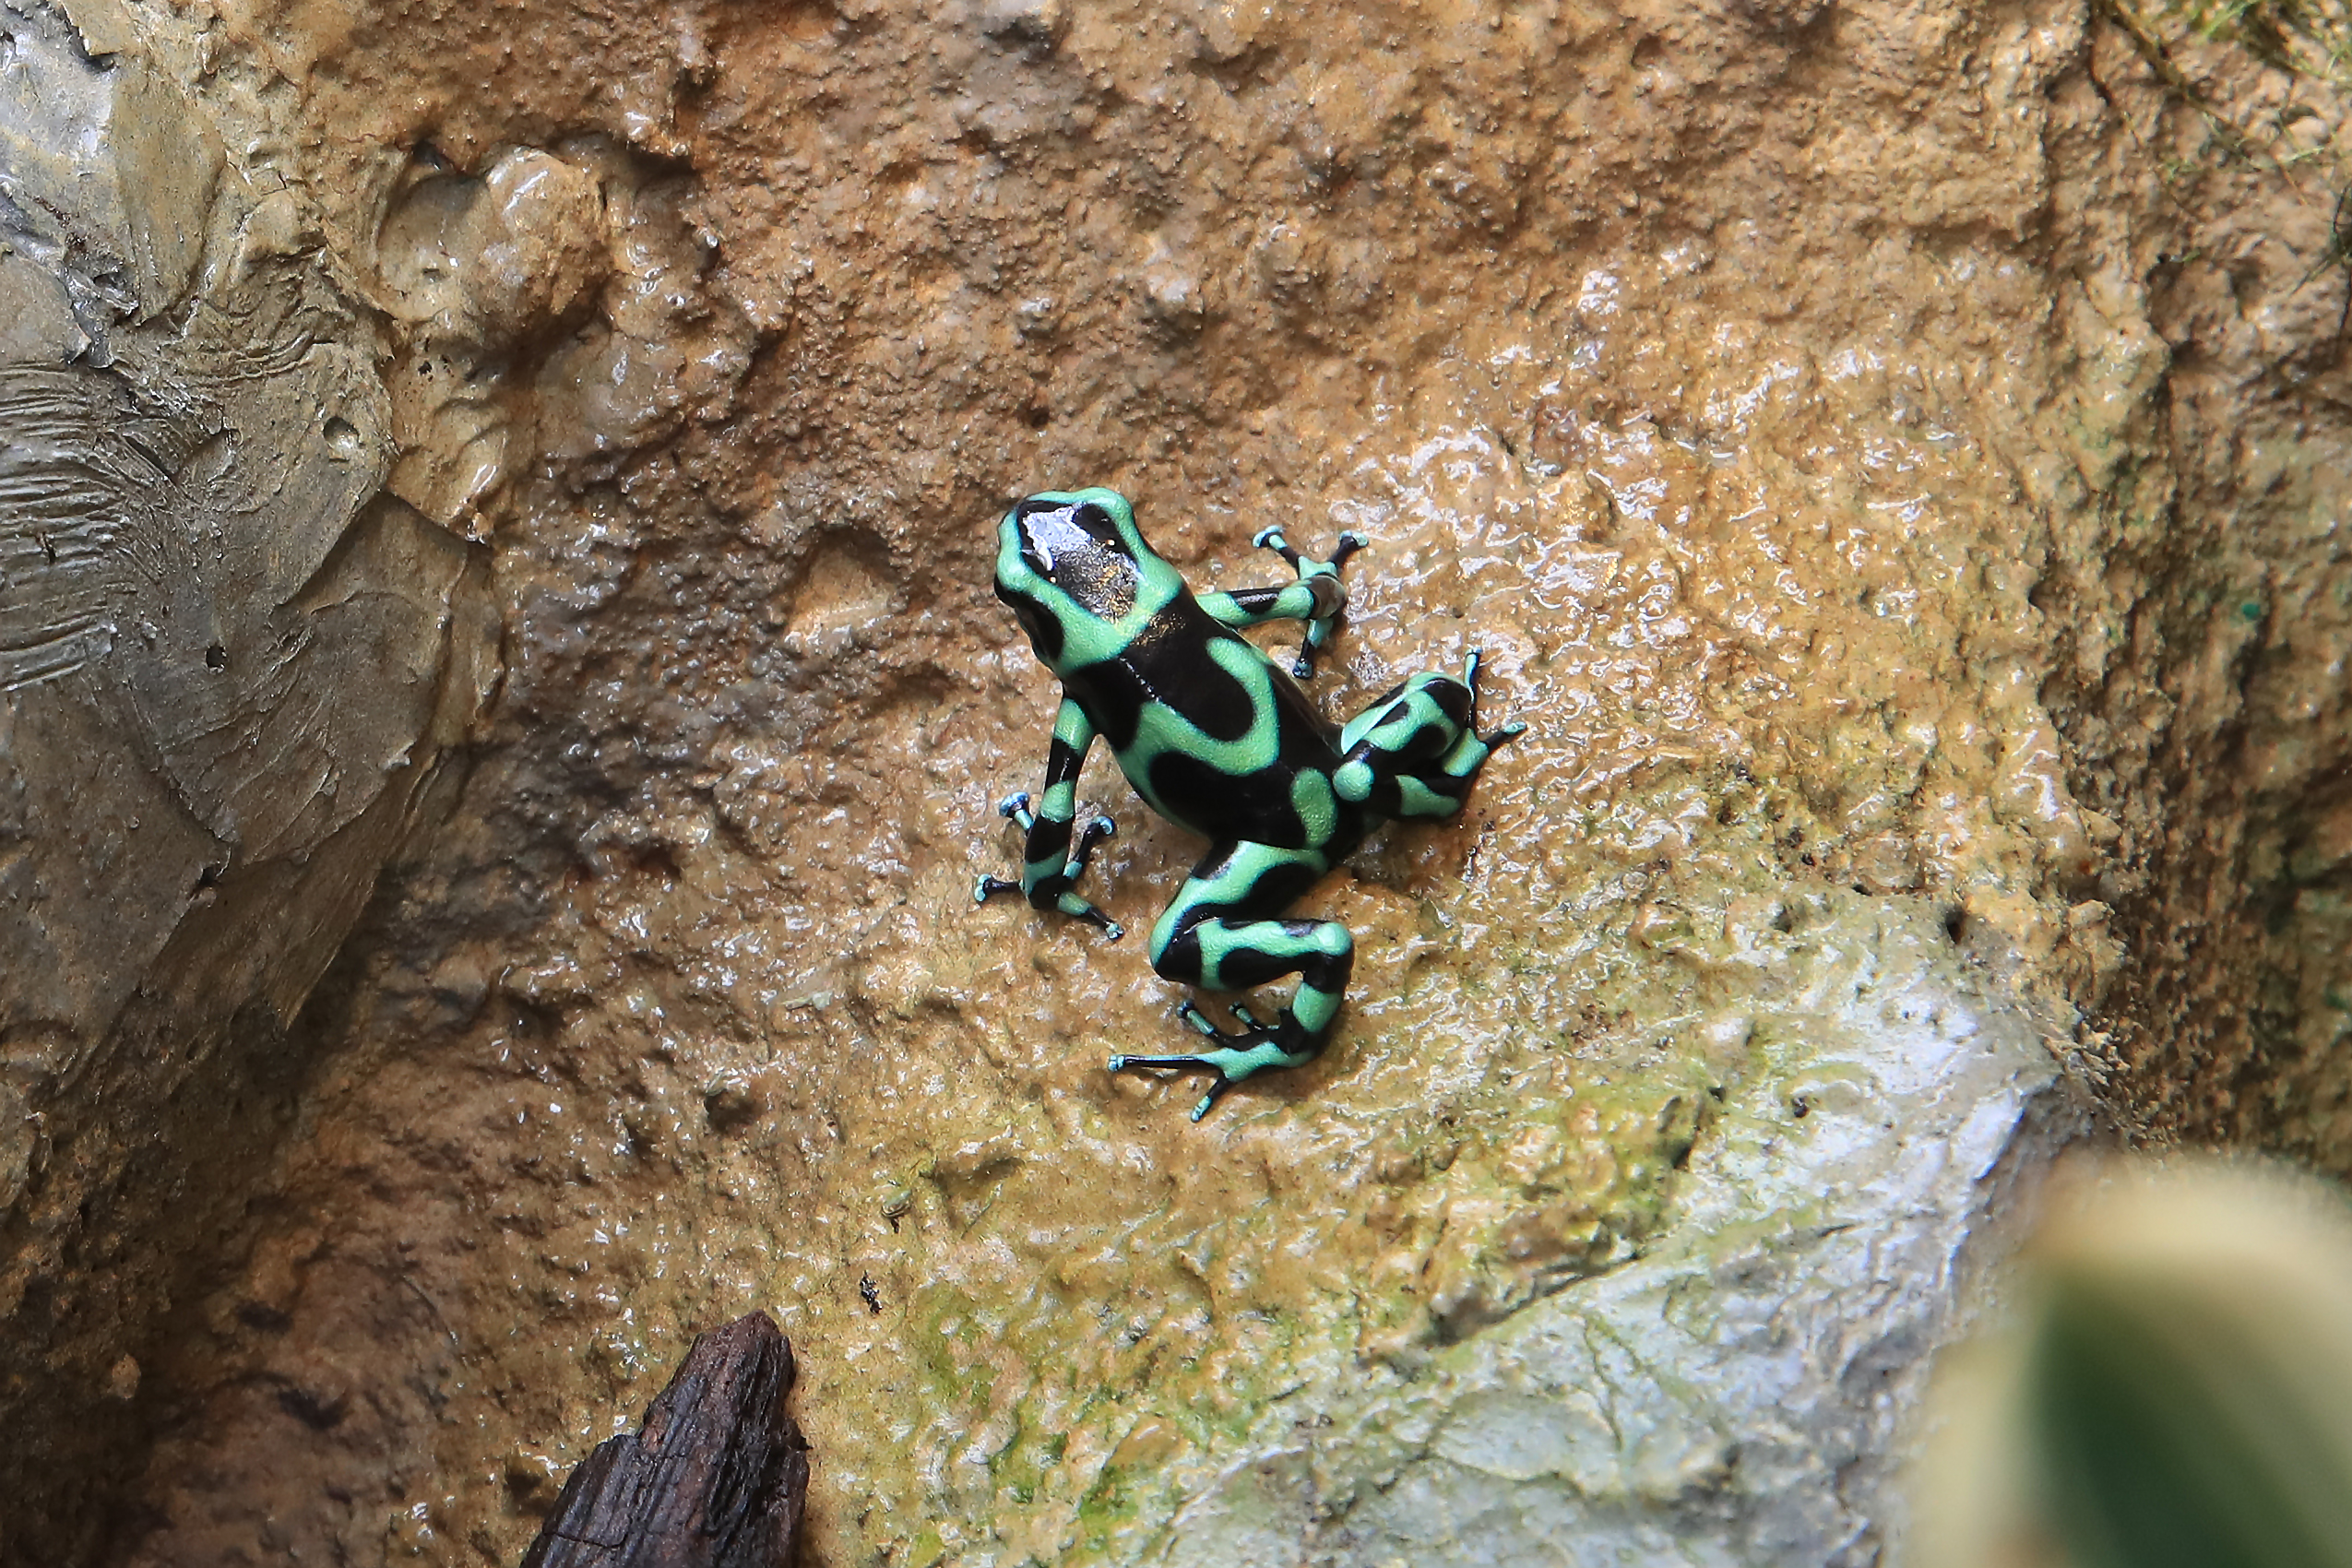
[1219, 740]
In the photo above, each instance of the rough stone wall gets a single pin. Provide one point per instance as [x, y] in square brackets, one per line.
[1812, 412]
[2205, 598]
[230, 663]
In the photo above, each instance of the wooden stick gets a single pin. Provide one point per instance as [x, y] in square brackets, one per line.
[715, 1479]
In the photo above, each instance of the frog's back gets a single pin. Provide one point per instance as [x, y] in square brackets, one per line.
[1213, 735]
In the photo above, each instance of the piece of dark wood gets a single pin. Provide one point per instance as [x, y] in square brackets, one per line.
[715, 1479]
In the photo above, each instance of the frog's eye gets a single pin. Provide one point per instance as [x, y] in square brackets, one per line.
[1095, 523]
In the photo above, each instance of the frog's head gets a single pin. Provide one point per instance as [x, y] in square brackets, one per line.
[1065, 559]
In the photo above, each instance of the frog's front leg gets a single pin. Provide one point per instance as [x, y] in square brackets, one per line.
[1224, 932]
[1317, 598]
[1050, 867]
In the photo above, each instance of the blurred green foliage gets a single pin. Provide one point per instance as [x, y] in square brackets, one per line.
[2174, 1430]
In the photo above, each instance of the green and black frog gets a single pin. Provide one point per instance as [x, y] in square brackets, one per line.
[1218, 739]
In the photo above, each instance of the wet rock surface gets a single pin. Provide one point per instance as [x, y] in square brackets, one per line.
[1742, 1391]
[1852, 450]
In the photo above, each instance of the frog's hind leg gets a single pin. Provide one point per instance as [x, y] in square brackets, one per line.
[1225, 932]
[1415, 751]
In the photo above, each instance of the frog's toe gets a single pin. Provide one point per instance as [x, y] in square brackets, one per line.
[1014, 804]
[1079, 908]
[1197, 1019]
[1317, 640]
[1215, 1091]
[1128, 1063]
[1251, 1032]
[1509, 732]
[987, 887]
[1094, 833]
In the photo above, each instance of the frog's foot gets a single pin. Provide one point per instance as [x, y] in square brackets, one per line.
[1016, 808]
[1271, 537]
[1254, 1050]
[1320, 628]
[1070, 904]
